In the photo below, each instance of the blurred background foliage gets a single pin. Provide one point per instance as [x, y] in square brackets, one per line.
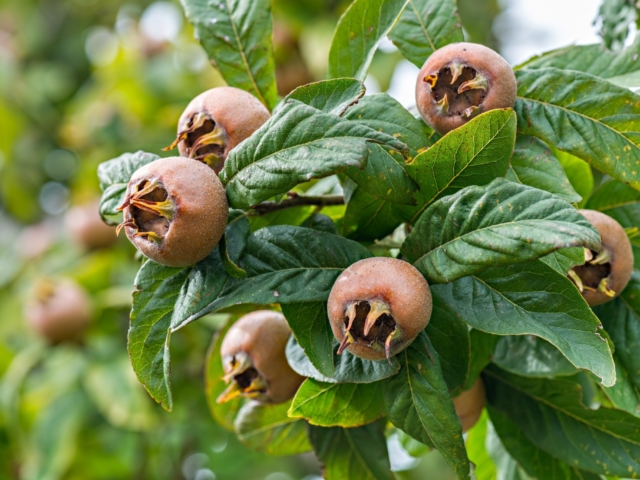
[82, 81]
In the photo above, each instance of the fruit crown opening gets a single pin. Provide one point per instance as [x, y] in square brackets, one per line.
[458, 90]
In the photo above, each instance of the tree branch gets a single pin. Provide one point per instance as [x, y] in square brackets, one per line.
[296, 200]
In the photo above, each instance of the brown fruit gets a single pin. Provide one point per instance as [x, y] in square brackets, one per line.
[606, 273]
[254, 361]
[86, 227]
[215, 122]
[175, 211]
[378, 306]
[459, 82]
[59, 311]
[469, 405]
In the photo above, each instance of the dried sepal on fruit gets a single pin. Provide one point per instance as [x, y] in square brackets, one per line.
[175, 211]
[216, 121]
[378, 306]
[469, 405]
[460, 81]
[605, 273]
[254, 361]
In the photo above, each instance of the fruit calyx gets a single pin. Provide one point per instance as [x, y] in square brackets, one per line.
[151, 211]
[458, 89]
[243, 379]
[594, 275]
[204, 139]
[370, 323]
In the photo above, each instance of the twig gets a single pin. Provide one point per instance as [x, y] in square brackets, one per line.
[296, 200]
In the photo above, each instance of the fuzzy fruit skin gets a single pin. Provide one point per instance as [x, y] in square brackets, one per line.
[63, 315]
[501, 92]
[238, 112]
[263, 335]
[616, 242]
[469, 405]
[86, 227]
[200, 211]
[395, 281]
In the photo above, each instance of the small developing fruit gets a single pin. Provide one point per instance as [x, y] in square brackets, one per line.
[215, 122]
[254, 361]
[459, 82]
[378, 306]
[469, 405]
[605, 273]
[86, 227]
[175, 211]
[59, 311]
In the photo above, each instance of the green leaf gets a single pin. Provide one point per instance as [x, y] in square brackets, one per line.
[617, 200]
[233, 243]
[620, 68]
[368, 218]
[348, 367]
[357, 35]
[583, 115]
[506, 467]
[114, 176]
[533, 164]
[267, 428]
[531, 356]
[338, 404]
[236, 34]
[297, 144]
[532, 299]
[473, 154]
[418, 402]
[615, 17]
[482, 347]
[565, 259]
[553, 418]
[624, 394]
[321, 222]
[499, 224]
[424, 27]
[478, 454]
[331, 96]
[355, 453]
[310, 325]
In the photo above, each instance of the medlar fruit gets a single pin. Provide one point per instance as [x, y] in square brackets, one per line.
[175, 211]
[378, 306]
[605, 273]
[469, 405]
[254, 361]
[215, 122]
[86, 227]
[460, 81]
[59, 311]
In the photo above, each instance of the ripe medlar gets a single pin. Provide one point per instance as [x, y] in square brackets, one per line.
[86, 227]
[254, 361]
[605, 273]
[378, 306]
[59, 311]
[175, 211]
[215, 122]
[460, 81]
[469, 405]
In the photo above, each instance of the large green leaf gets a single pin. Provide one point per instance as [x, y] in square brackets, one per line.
[477, 450]
[531, 356]
[499, 224]
[533, 164]
[583, 115]
[614, 18]
[236, 35]
[114, 176]
[332, 96]
[532, 299]
[552, 416]
[338, 404]
[418, 402]
[357, 35]
[482, 347]
[624, 394]
[473, 154]
[299, 143]
[617, 200]
[267, 428]
[565, 259]
[425, 26]
[355, 453]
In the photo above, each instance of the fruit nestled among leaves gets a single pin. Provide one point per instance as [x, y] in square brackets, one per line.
[86, 227]
[254, 361]
[59, 311]
[605, 273]
[175, 211]
[378, 306]
[469, 405]
[215, 122]
[459, 82]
